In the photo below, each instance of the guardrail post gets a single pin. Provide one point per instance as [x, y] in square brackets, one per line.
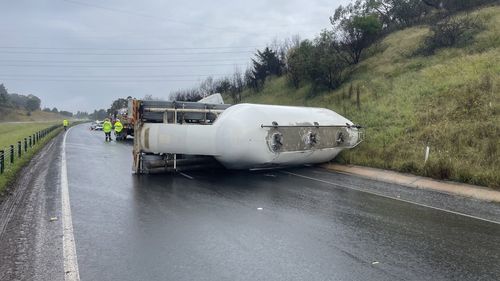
[30, 141]
[19, 149]
[25, 144]
[34, 141]
[2, 161]
[11, 154]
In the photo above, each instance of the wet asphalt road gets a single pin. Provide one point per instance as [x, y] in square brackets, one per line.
[266, 225]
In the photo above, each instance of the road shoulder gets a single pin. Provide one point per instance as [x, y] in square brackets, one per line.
[30, 247]
[408, 180]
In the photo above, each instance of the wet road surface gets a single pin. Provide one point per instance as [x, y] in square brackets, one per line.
[294, 224]
[266, 225]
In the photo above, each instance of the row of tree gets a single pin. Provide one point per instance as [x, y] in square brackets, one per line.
[326, 61]
[27, 102]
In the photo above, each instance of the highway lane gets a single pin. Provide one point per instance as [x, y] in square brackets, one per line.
[265, 225]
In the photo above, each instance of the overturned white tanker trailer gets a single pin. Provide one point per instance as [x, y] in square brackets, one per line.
[177, 136]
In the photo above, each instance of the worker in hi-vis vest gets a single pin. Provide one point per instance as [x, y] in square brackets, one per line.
[65, 124]
[118, 129]
[107, 127]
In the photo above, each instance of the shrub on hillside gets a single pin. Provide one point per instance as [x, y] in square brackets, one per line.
[453, 31]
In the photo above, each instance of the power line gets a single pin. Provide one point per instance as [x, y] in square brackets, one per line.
[110, 76]
[125, 62]
[101, 80]
[129, 49]
[121, 11]
[124, 54]
[117, 66]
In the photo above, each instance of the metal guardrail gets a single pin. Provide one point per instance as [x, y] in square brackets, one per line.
[14, 152]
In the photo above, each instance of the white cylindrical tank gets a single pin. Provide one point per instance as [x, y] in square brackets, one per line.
[248, 136]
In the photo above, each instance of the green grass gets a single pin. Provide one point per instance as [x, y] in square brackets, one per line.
[449, 101]
[9, 114]
[11, 134]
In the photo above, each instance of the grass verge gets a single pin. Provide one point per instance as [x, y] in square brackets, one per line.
[11, 171]
[11, 133]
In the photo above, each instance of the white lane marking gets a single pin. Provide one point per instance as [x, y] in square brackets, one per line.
[390, 197]
[186, 175]
[71, 272]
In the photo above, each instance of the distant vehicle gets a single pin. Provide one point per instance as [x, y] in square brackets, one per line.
[96, 125]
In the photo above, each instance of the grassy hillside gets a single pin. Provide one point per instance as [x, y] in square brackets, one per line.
[18, 115]
[449, 101]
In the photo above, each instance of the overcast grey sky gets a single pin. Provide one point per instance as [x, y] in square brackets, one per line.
[83, 54]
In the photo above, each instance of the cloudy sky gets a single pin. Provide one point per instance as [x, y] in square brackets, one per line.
[83, 54]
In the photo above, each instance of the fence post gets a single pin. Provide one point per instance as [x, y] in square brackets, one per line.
[19, 149]
[25, 144]
[11, 154]
[34, 140]
[2, 161]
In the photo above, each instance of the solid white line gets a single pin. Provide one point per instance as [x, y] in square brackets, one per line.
[71, 272]
[390, 197]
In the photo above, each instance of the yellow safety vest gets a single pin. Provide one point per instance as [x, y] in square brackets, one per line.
[65, 123]
[106, 126]
[118, 126]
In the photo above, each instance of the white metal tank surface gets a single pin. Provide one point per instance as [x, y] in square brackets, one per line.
[247, 136]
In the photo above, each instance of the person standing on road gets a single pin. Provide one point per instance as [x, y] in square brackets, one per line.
[65, 124]
[107, 127]
[118, 129]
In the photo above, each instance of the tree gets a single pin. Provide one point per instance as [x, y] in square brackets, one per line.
[265, 64]
[250, 79]
[116, 105]
[66, 113]
[454, 31]
[54, 110]
[222, 85]
[355, 29]
[397, 12]
[299, 61]
[32, 103]
[46, 109]
[317, 62]
[82, 115]
[4, 96]
[237, 85]
[192, 94]
[98, 115]
[207, 86]
[18, 101]
[328, 66]
[151, 97]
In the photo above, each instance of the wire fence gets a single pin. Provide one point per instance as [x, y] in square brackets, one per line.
[13, 153]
